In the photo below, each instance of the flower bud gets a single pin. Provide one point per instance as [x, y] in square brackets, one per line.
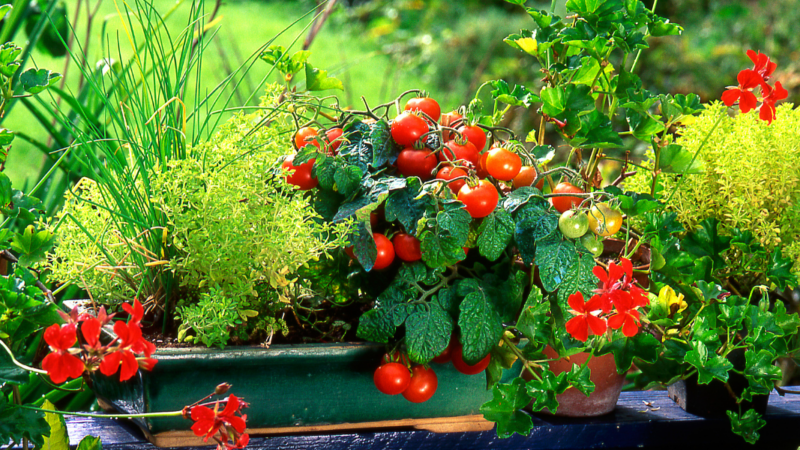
[222, 389]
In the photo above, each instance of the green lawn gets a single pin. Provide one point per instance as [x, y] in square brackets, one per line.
[245, 26]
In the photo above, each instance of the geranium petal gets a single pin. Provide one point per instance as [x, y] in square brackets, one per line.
[67, 336]
[129, 366]
[596, 303]
[576, 302]
[629, 328]
[110, 364]
[597, 324]
[615, 272]
[237, 423]
[747, 101]
[52, 334]
[90, 329]
[578, 328]
[231, 406]
[730, 96]
[202, 413]
[749, 79]
[615, 321]
[600, 274]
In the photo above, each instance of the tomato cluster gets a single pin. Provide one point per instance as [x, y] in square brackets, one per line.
[574, 223]
[394, 377]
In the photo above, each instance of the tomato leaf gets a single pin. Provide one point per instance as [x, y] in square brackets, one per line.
[318, 80]
[383, 151]
[494, 234]
[442, 239]
[707, 368]
[534, 224]
[428, 333]
[578, 278]
[747, 424]
[32, 245]
[364, 246]
[555, 257]
[348, 180]
[520, 197]
[376, 325]
[480, 326]
[504, 408]
[406, 205]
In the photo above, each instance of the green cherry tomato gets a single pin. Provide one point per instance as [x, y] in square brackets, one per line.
[573, 224]
[592, 243]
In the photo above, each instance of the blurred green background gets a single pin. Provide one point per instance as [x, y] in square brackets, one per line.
[379, 48]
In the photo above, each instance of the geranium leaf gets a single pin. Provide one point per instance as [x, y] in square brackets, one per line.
[579, 378]
[318, 80]
[35, 81]
[643, 346]
[544, 391]
[32, 245]
[90, 443]
[759, 368]
[504, 408]
[747, 424]
[58, 439]
[708, 368]
[780, 270]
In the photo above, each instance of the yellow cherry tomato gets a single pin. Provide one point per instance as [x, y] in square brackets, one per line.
[604, 221]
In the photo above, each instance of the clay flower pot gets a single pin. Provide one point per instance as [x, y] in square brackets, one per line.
[608, 385]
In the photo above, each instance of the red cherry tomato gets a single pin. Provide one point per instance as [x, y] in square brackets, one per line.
[564, 204]
[374, 218]
[385, 251]
[425, 104]
[525, 177]
[448, 173]
[447, 354]
[407, 128]
[422, 386]
[481, 170]
[466, 369]
[453, 151]
[479, 200]
[301, 177]
[416, 163]
[406, 247]
[475, 135]
[503, 164]
[335, 138]
[447, 120]
[392, 378]
[305, 136]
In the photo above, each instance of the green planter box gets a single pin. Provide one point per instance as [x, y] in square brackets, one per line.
[286, 386]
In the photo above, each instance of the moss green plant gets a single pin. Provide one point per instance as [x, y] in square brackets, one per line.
[750, 181]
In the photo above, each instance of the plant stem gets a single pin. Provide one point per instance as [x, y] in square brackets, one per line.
[105, 416]
[19, 364]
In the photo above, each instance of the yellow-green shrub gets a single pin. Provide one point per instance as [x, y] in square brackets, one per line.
[751, 178]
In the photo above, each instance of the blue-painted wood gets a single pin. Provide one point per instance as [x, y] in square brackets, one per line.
[642, 420]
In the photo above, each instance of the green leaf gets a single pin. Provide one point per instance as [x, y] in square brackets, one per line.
[32, 245]
[643, 346]
[706, 241]
[708, 368]
[555, 257]
[643, 126]
[579, 378]
[732, 312]
[35, 81]
[17, 423]
[6, 195]
[534, 224]
[495, 233]
[442, 239]
[780, 270]
[676, 159]
[787, 322]
[534, 320]
[480, 326]
[633, 203]
[428, 333]
[504, 408]
[348, 179]
[6, 137]
[407, 206]
[520, 197]
[664, 28]
[519, 96]
[376, 325]
[9, 53]
[578, 278]
[759, 368]
[58, 439]
[596, 131]
[90, 443]
[318, 80]
[557, 100]
[747, 425]
[544, 391]
[383, 151]
[364, 246]
[10, 373]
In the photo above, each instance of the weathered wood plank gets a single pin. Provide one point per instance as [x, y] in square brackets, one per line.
[657, 424]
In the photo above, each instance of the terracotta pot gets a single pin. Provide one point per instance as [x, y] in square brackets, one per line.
[608, 385]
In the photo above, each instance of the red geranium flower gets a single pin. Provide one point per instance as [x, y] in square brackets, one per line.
[136, 311]
[638, 294]
[129, 335]
[610, 283]
[767, 111]
[763, 66]
[241, 442]
[90, 329]
[579, 325]
[626, 317]
[61, 364]
[748, 80]
[208, 421]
